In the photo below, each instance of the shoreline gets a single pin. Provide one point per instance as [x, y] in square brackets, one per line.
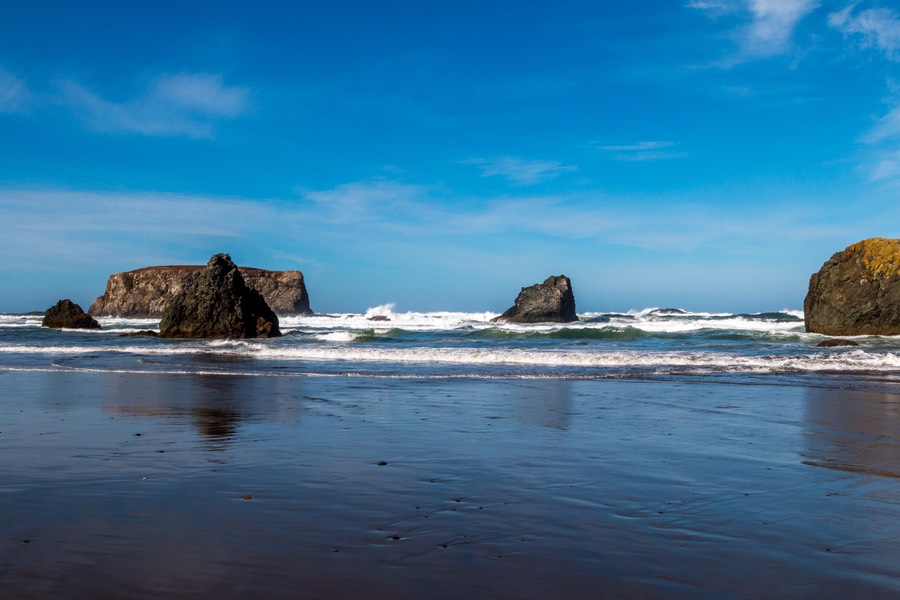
[492, 488]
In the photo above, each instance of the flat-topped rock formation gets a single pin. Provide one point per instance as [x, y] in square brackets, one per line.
[857, 291]
[217, 303]
[145, 293]
[550, 302]
[66, 313]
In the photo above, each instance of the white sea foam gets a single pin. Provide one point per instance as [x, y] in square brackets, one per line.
[384, 310]
[409, 321]
[664, 361]
[337, 336]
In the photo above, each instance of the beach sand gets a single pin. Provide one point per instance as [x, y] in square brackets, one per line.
[155, 485]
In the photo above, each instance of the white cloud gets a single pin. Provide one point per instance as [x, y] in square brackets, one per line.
[360, 201]
[714, 6]
[881, 154]
[173, 105]
[773, 25]
[14, 94]
[770, 29]
[878, 27]
[643, 151]
[887, 128]
[519, 171]
[886, 167]
[202, 94]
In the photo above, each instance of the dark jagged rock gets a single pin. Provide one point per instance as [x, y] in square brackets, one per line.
[218, 304]
[857, 291]
[548, 302]
[834, 343]
[66, 313]
[145, 293]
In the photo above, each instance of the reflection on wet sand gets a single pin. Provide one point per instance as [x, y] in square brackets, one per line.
[215, 405]
[853, 431]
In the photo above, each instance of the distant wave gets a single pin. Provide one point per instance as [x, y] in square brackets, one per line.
[567, 333]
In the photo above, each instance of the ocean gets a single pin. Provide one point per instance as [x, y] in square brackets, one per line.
[647, 454]
[644, 344]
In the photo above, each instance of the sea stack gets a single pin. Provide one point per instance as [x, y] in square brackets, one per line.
[66, 313]
[548, 302]
[857, 291]
[218, 304]
[145, 293]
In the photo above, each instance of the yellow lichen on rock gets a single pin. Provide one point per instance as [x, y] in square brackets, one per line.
[881, 256]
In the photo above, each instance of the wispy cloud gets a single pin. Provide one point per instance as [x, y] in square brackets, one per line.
[769, 29]
[378, 229]
[714, 6]
[881, 156]
[678, 224]
[362, 201]
[642, 151]
[519, 171]
[15, 96]
[773, 24]
[173, 105]
[876, 27]
[886, 166]
[887, 128]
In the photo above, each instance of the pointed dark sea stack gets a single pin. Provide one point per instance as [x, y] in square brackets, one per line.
[66, 313]
[548, 302]
[857, 291]
[218, 304]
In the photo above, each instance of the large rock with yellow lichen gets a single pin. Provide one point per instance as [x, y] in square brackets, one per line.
[857, 292]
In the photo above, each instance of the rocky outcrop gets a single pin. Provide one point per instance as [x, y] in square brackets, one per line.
[551, 301]
[857, 292]
[146, 292]
[217, 303]
[66, 313]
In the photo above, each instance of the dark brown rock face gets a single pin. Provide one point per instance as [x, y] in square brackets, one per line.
[857, 292]
[145, 293]
[548, 302]
[66, 313]
[218, 304]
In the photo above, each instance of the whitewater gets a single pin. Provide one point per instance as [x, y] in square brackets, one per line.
[641, 344]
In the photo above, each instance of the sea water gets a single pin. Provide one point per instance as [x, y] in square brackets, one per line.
[761, 347]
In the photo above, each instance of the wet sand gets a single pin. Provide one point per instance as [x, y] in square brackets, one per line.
[154, 485]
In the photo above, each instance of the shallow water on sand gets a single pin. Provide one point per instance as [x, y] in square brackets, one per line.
[232, 486]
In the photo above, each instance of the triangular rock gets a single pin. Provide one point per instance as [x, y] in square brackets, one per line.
[66, 313]
[218, 304]
[551, 301]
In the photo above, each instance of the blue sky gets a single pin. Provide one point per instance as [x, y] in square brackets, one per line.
[705, 154]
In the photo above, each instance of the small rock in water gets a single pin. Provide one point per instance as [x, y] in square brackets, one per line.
[832, 343]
